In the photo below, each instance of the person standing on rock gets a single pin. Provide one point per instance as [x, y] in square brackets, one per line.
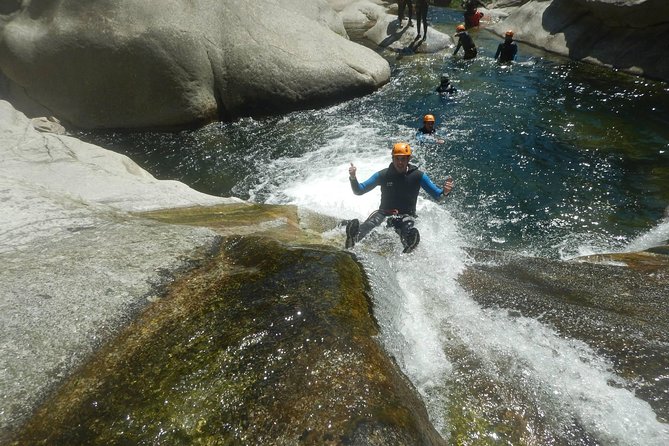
[400, 183]
[466, 42]
[400, 10]
[421, 16]
[507, 50]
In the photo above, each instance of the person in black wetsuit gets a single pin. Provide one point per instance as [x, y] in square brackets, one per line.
[506, 51]
[466, 42]
[445, 86]
[427, 133]
[471, 15]
[401, 4]
[400, 183]
[421, 16]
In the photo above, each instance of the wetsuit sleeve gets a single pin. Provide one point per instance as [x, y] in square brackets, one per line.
[499, 50]
[457, 47]
[429, 187]
[365, 186]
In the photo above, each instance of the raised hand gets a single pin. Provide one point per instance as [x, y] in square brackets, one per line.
[448, 185]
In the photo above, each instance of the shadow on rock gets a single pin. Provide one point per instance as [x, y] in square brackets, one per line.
[612, 35]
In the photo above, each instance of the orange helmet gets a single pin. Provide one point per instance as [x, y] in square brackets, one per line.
[428, 118]
[509, 33]
[460, 28]
[401, 149]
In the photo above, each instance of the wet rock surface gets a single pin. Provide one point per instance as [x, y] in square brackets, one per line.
[615, 303]
[266, 344]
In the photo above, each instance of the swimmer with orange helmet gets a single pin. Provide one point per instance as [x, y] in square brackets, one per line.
[507, 50]
[427, 133]
[400, 183]
[466, 42]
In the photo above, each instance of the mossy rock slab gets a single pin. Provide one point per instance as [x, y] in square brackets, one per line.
[266, 344]
[282, 222]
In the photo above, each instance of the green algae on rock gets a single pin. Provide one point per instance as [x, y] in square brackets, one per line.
[282, 222]
[266, 344]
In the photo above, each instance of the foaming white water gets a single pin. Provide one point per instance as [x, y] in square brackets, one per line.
[656, 236]
[565, 375]
[422, 309]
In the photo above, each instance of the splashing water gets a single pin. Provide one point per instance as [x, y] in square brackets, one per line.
[550, 158]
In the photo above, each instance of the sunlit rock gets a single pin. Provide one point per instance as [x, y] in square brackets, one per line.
[130, 64]
[266, 344]
[629, 35]
[376, 21]
[76, 264]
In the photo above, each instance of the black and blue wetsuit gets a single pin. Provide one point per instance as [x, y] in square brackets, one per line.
[399, 194]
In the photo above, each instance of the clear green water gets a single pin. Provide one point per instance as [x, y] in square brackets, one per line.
[550, 157]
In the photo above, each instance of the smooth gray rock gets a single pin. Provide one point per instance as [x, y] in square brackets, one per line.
[376, 21]
[130, 64]
[629, 35]
[76, 264]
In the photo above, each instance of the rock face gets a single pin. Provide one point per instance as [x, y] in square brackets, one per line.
[374, 21]
[76, 264]
[285, 349]
[629, 35]
[267, 344]
[129, 64]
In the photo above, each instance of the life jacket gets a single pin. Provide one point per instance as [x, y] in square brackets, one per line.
[473, 19]
[399, 191]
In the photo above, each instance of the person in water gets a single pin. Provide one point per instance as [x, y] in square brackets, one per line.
[506, 51]
[428, 133]
[400, 183]
[466, 42]
[421, 16]
[445, 86]
[401, 4]
[472, 15]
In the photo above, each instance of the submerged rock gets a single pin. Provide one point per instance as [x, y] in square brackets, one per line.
[616, 303]
[266, 344]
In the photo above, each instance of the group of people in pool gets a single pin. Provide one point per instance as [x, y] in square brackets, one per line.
[401, 181]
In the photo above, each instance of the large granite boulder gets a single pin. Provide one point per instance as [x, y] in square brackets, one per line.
[130, 64]
[629, 35]
[376, 21]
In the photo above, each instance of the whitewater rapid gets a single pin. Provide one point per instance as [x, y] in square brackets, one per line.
[425, 315]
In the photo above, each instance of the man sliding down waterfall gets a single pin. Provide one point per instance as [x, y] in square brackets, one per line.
[400, 183]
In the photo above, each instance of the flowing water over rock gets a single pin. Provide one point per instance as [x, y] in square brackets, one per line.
[551, 159]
